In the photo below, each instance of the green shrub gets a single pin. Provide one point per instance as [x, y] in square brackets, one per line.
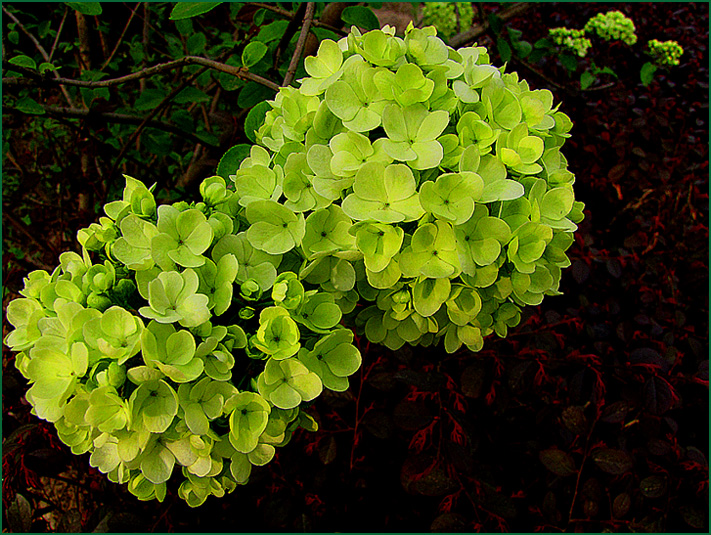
[415, 189]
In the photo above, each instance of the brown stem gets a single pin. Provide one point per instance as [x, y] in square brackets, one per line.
[308, 19]
[40, 48]
[239, 72]
[288, 34]
[80, 113]
[120, 39]
[328, 25]
[469, 35]
[56, 37]
[152, 114]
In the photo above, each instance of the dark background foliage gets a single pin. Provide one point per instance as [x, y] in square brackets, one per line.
[592, 415]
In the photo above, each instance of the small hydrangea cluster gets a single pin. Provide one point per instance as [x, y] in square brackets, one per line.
[574, 40]
[612, 25]
[665, 54]
[144, 359]
[417, 189]
[442, 15]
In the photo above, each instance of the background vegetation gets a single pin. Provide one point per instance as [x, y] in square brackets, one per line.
[592, 415]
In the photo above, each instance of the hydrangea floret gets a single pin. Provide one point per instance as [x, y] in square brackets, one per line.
[414, 192]
[665, 54]
[571, 39]
[613, 25]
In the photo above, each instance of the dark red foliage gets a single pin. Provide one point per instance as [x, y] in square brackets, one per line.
[592, 415]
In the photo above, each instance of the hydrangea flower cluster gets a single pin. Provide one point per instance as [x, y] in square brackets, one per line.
[574, 40]
[665, 54]
[443, 16]
[180, 351]
[424, 181]
[415, 189]
[612, 25]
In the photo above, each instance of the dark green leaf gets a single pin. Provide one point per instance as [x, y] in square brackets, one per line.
[542, 44]
[24, 61]
[360, 16]
[504, 49]
[86, 8]
[647, 73]
[569, 62]
[253, 52]
[586, 79]
[272, 31]
[523, 48]
[255, 119]
[230, 82]
[13, 37]
[496, 23]
[44, 67]
[149, 99]
[156, 141]
[252, 93]
[190, 95]
[259, 15]
[30, 106]
[514, 34]
[557, 461]
[208, 138]
[473, 380]
[183, 120]
[612, 461]
[186, 10]
[196, 43]
[537, 55]
[229, 163]
[607, 70]
[184, 26]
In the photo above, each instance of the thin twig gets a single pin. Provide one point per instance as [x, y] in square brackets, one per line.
[308, 19]
[538, 73]
[56, 37]
[41, 50]
[120, 118]
[290, 15]
[288, 34]
[152, 114]
[468, 36]
[239, 72]
[120, 39]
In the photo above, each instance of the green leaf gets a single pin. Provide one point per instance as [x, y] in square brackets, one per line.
[230, 161]
[24, 61]
[186, 10]
[496, 23]
[253, 93]
[569, 62]
[360, 16]
[255, 119]
[253, 52]
[647, 73]
[29, 106]
[587, 79]
[272, 31]
[190, 95]
[86, 8]
[504, 49]
[196, 43]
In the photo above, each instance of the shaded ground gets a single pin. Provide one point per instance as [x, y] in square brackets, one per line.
[591, 415]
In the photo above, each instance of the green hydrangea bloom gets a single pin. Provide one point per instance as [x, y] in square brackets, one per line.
[612, 25]
[665, 54]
